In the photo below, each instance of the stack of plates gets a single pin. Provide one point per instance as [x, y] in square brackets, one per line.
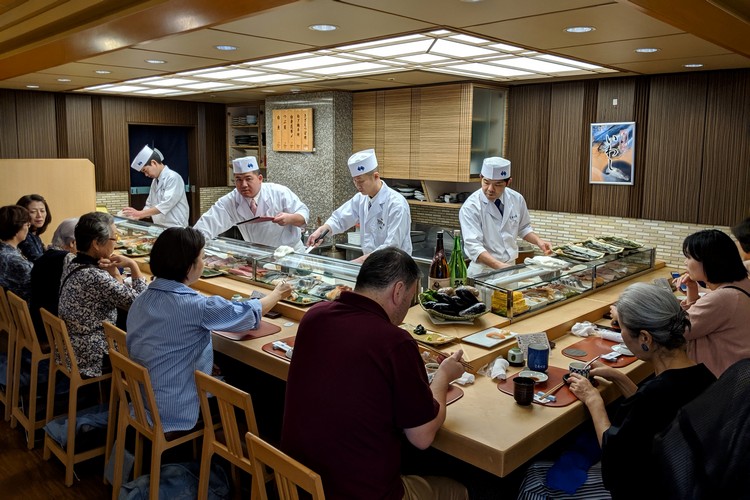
[407, 192]
[420, 195]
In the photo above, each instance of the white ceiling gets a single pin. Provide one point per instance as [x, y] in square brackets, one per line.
[186, 42]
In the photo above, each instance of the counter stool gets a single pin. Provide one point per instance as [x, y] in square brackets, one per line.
[8, 329]
[116, 342]
[133, 384]
[25, 339]
[289, 473]
[227, 442]
[65, 363]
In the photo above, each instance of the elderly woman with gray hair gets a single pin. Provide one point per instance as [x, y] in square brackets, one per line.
[92, 289]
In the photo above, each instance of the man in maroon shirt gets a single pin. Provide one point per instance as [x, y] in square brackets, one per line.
[357, 383]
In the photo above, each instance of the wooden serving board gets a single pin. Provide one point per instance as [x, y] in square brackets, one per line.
[595, 346]
[263, 330]
[555, 376]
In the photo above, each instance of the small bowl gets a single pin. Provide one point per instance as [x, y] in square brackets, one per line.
[539, 377]
[566, 379]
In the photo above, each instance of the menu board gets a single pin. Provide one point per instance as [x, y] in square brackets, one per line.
[293, 129]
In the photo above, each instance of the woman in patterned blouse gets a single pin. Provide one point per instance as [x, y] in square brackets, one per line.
[15, 270]
[92, 289]
[32, 247]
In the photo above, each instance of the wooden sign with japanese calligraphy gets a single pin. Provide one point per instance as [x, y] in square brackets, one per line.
[293, 129]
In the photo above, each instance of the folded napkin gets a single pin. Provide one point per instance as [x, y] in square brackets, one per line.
[610, 335]
[548, 262]
[465, 379]
[583, 329]
[496, 369]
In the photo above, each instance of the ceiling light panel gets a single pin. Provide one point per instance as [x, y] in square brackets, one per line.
[487, 69]
[350, 68]
[419, 47]
[423, 58]
[230, 74]
[312, 62]
[505, 48]
[571, 62]
[166, 82]
[206, 85]
[448, 48]
[535, 65]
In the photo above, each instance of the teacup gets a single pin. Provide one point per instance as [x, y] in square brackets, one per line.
[580, 368]
[431, 369]
[523, 390]
[538, 357]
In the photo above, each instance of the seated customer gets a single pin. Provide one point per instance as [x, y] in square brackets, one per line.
[357, 385]
[92, 289]
[169, 325]
[15, 270]
[32, 247]
[719, 336]
[653, 328]
[742, 232]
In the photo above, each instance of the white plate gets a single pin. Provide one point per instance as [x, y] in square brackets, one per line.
[538, 376]
[622, 349]
[407, 190]
[484, 339]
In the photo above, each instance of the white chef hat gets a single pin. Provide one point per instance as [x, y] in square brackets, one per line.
[145, 156]
[362, 162]
[245, 165]
[496, 168]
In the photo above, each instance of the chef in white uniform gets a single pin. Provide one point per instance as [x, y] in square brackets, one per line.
[166, 203]
[383, 213]
[493, 217]
[254, 198]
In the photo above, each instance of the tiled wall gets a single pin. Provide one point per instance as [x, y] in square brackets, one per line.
[113, 200]
[209, 195]
[561, 227]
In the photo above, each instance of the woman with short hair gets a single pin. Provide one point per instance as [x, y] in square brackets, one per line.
[15, 269]
[170, 324]
[32, 247]
[92, 289]
[719, 336]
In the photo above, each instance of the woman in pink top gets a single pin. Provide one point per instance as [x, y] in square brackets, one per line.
[720, 333]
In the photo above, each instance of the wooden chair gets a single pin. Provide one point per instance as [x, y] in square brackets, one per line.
[116, 342]
[8, 328]
[229, 442]
[137, 409]
[65, 363]
[289, 473]
[25, 339]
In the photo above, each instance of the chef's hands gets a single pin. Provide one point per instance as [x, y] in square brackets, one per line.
[545, 246]
[285, 219]
[132, 213]
[314, 236]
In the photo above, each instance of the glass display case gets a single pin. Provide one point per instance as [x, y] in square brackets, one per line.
[313, 277]
[135, 238]
[521, 289]
[233, 258]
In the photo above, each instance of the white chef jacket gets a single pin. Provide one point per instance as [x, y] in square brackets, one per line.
[272, 200]
[386, 223]
[484, 229]
[167, 194]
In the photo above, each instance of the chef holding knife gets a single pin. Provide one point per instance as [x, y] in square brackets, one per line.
[382, 212]
[278, 213]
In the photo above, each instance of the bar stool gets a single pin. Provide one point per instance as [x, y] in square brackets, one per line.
[133, 384]
[116, 342]
[289, 473]
[8, 328]
[228, 443]
[65, 363]
[25, 339]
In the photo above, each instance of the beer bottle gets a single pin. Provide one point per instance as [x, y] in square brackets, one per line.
[439, 273]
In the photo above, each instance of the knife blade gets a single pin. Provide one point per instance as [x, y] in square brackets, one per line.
[315, 241]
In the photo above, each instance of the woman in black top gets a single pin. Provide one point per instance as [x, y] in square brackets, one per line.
[32, 247]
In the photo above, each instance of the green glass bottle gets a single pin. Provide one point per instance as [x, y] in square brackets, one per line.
[457, 264]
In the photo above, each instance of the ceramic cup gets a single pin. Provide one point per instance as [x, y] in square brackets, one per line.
[523, 390]
[537, 357]
[580, 368]
[431, 369]
[515, 356]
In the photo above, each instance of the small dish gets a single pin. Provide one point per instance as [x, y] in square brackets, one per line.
[622, 349]
[537, 376]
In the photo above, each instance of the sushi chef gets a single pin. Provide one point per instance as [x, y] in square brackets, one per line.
[382, 212]
[493, 217]
[252, 198]
[166, 203]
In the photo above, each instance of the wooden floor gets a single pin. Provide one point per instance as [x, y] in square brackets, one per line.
[24, 475]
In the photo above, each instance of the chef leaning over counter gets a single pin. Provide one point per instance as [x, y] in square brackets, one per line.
[166, 203]
[493, 217]
[254, 198]
[382, 212]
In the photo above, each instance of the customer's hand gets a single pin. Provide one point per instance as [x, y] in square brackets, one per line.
[583, 390]
[283, 290]
[450, 368]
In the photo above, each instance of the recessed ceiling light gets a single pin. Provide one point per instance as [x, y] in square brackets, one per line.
[155, 61]
[294, 90]
[32, 86]
[693, 65]
[580, 29]
[267, 91]
[102, 72]
[323, 27]
[225, 47]
[470, 1]
[63, 79]
[647, 50]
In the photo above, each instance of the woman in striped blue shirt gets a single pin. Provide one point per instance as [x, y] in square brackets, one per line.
[169, 325]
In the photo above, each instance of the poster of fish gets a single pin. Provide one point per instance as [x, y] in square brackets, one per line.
[612, 153]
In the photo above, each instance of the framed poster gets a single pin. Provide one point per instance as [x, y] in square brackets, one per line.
[612, 157]
[293, 130]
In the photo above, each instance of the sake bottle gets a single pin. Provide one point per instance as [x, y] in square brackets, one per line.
[439, 273]
[457, 264]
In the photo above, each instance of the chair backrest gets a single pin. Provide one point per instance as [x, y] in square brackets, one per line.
[288, 472]
[59, 341]
[25, 333]
[133, 385]
[115, 338]
[6, 320]
[229, 399]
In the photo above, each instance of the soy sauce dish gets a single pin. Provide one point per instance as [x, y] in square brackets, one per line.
[538, 377]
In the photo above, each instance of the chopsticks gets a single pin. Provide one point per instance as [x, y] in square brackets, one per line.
[591, 361]
[442, 355]
[553, 390]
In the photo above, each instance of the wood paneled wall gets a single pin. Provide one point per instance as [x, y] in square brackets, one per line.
[47, 125]
[692, 145]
